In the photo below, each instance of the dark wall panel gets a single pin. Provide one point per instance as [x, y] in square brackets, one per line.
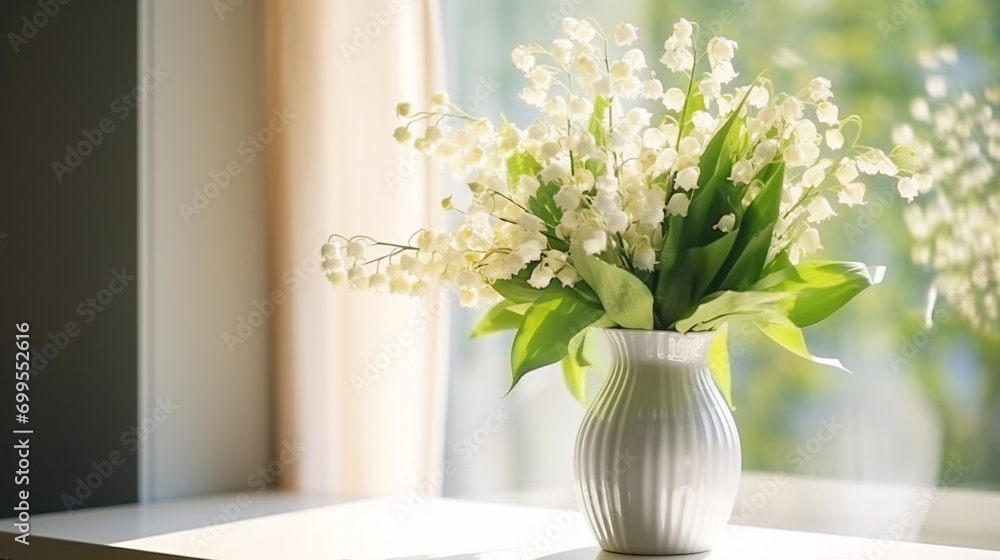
[68, 227]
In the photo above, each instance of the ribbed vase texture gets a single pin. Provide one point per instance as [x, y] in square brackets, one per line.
[658, 455]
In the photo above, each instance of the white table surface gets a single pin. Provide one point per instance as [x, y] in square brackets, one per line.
[384, 528]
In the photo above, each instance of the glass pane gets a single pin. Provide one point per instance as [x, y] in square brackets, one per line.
[921, 402]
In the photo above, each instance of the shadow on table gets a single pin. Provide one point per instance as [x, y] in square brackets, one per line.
[590, 553]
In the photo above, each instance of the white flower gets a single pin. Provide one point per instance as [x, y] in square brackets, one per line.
[527, 186]
[847, 172]
[665, 159]
[710, 88]
[903, 135]
[689, 146]
[819, 89]
[875, 161]
[703, 120]
[643, 256]
[541, 277]
[809, 242]
[531, 222]
[624, 34]
[726, 223]
[562, 50]
[403, 109]
[653, 138]
[329, 250]
[566, 199]
[652, 89]
[758, 97]
[908, 188]
[819, 210]
[553, 172]
[678, 204]
[468, 297]
[357, 249]
[540, 77]
[687, 179]
[852, 194]
[335, 262]
[594, 240]
[920, 110]
[579, 31]
[678, 60]
[673, 99]
[834, 138]
[791, 109]
[620, 70]
[634, 59]
[523, 60]
[400, 285]
[638, 117]
[533, 96]
[720, 50]
[567, 275]
[924, 183]
[588, 71]
[827, 113]
[421, 288]
[401, 134]
[936, 87]
[794, 156]
[439, 98]
[378, 281]
[742, 172]
[765, 151]
[683, 30]
[616, 221]
[813, 176]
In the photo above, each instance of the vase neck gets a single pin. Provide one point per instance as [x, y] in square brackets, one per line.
[669, 350]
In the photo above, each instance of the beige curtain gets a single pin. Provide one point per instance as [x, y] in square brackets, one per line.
[359, 377]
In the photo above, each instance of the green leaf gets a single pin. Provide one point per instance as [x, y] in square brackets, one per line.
[596, 125]
[779, 262]
[818, 288]
[544, 206]
[716, 195]
[521, 163]
[625, 298]
[695, 102]
[517, 289]
[706, 262]
[716, 161]
[747, 262]
[717, 308]
[501, 317]
[750, 251]
[671, 299]
[718, 363]
[804, 294]
[548, 326]
[790, 338]
[575, 364]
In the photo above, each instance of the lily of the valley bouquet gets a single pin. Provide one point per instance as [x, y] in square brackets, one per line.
[646, 195]
[955, 138]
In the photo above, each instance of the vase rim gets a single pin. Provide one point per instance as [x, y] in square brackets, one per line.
[658, 333]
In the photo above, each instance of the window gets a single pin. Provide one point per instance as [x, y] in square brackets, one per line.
[922, 408]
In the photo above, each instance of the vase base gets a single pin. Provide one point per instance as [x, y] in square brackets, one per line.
[698, 555]
[597, 553]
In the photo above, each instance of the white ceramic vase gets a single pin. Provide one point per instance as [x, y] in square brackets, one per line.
[657, 455]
